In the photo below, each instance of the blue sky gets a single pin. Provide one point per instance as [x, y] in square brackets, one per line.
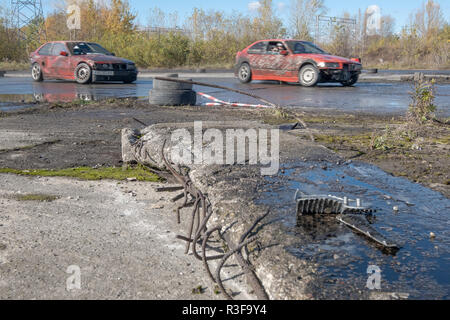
[399, 9]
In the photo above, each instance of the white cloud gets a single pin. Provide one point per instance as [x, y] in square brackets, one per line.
[254, 5]
[281, 6]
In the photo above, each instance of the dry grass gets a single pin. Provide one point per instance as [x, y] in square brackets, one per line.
[7, 65]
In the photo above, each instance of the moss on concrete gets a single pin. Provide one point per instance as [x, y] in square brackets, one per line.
[88, 173]
[36, 197]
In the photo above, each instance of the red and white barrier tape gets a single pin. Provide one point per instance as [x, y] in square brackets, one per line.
[218, 102]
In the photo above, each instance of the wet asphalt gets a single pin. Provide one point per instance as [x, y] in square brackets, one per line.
[366, 97]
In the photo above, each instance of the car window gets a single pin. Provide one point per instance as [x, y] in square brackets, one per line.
[275, 47]
[82, 48]
[57, 48]
[46, 50]
[258, 48]
[299, 47]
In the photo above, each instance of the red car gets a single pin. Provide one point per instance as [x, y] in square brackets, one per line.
[84, 62]
[294, 61]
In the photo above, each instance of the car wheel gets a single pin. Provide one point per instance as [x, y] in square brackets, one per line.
[83, 73]
[36, 73]
[245, 73]
[309, 76]
[352, 81]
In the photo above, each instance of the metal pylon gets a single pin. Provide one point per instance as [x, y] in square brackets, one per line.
[28, 20]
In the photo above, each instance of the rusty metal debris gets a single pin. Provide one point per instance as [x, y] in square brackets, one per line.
[355, 223]
[353, 217]
[169, 189]
[198, 232]
[328, 205]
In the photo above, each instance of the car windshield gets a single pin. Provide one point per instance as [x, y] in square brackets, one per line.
[298, 47]
[80, 48]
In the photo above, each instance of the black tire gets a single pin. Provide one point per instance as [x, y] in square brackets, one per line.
[169, 85]
[309, 76]
[172, 97]
[83, 73]
[354, 79]
[36, 73]
[245, 73]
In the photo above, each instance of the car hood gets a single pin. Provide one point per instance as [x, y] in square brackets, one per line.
[326, 58]
[107, 59]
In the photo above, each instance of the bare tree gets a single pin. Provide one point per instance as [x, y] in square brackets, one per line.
[429, 19]
[387, 26]
[303, 15]
[267, 24]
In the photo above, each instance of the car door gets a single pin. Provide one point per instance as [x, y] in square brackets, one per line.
[277, 64]
[59, 64]
[256, 56]
[43, 55]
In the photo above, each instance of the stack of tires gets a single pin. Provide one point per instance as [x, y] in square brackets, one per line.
[168, 93]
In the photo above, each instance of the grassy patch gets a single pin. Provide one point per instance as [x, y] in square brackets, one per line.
[14, 66]
[444, 140]
[79, 103]
[362, 139]
[198, 290]
[72, 104]
[88, 173]
[36, 197]
[278, 117]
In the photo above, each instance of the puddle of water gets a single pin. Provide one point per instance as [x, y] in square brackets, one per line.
[363, 97]
[420, 268]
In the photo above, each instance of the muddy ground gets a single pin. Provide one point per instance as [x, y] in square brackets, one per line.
[62, 136]
[76, 134]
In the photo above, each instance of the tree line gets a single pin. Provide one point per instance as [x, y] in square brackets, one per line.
[212, 38]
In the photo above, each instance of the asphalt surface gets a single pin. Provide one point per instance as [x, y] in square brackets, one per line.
[368, 97]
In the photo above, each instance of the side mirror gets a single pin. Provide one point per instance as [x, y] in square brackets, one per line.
[284, 52]
[63, 53]
[113, 54]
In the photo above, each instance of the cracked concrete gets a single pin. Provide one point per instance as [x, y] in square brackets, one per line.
[124, 247]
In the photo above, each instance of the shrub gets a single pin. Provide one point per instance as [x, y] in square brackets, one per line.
[422, 106]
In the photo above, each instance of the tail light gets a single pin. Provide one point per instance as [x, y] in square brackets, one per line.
[356, 60]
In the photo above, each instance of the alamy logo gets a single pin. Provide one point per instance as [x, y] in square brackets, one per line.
[212, 148]
[374, 280]
[74, 281]
[373, 20]
[74, 17]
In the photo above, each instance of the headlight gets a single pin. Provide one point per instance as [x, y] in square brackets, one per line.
[332, 65]
[131, 66]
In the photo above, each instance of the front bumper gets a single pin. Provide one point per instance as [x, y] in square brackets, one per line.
[100, 75]
[338, 75]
